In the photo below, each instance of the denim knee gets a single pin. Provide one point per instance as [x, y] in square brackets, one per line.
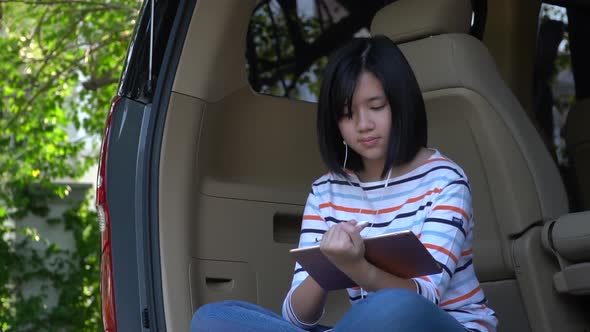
[211, 311]
[397, 294]
[237, 316]
[400, 301]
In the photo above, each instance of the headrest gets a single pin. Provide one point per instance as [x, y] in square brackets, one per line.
[407, 20]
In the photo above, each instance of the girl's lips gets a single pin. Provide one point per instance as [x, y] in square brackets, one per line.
[369, 142]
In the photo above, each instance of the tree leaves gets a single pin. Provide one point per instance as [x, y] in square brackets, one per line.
[287, 49]
[60, 61]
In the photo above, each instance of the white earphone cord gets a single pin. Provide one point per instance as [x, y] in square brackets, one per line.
[363, 293]
[345, 154]
[366, 199]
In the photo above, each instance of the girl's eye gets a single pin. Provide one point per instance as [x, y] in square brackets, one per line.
[377, 108]
[347, 114]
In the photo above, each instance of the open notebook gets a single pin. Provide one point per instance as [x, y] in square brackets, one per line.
[399, 253]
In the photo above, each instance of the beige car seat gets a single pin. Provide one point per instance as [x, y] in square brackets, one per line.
[236, 167]
[577, 137]
[476, 120]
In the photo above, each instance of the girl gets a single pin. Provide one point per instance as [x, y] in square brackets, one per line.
[372, 135]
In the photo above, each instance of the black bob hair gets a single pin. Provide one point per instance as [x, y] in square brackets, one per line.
[382, 58]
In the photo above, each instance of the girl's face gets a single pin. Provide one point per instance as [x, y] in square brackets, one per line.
[367, 131]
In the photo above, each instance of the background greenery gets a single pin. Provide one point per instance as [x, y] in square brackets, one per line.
[60, 61]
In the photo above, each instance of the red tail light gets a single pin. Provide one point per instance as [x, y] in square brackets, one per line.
[106, 285]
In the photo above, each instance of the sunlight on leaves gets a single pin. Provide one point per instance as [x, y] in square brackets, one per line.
[48, 52]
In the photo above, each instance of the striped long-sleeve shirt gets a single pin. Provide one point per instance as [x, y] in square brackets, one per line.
[434, 202]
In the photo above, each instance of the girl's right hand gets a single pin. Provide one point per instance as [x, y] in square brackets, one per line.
[343, 245]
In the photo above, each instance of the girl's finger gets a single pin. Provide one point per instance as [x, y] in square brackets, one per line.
[326, 238]
[354, 227]
[361, 225]
[331, 235]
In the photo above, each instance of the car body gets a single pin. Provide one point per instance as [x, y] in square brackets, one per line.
[204, 174]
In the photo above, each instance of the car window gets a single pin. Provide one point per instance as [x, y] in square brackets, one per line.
[289, 42]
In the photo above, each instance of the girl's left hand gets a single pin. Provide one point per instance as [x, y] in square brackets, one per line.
[343, 245]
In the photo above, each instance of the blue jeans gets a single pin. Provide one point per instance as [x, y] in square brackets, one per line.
[386, 310]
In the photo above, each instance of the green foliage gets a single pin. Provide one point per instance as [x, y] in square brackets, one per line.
[279, 36]
[59, 65]
[561, 101]
[289, 41]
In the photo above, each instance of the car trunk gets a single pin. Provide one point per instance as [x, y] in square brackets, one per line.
[230, 170]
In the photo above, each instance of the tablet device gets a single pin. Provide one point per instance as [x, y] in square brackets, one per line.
[399, 253]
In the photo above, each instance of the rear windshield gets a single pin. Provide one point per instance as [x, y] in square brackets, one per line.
[289, 42]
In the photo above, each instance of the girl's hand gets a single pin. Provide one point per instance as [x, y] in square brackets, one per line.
[343, 245]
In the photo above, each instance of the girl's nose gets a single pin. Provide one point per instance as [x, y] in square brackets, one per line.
[364, 121]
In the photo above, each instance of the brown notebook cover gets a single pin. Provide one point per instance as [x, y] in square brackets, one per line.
[400, 253]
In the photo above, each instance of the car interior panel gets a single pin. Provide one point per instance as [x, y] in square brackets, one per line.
[236, 168]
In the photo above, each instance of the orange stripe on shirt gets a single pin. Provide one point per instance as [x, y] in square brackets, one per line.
[415, 199]
[452, 208]
[312, 217]
[345, 208]
[443, 250]
[462, 297]
[435, 159]
[425, 278]
[467, 252]
[485, 326]
[379, 211]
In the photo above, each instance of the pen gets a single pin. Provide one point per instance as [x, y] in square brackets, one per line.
[360, 223]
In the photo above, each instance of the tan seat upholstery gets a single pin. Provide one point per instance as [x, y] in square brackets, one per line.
[222, 180]
[568, 239]
[476, 120]
[577, 137]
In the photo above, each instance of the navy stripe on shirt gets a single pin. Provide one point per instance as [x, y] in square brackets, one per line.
[461, 268]
[392, 183]
[453, 223]
[387, 223]
[313, 230]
